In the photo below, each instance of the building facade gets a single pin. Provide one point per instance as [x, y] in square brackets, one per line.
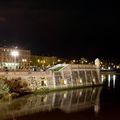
[14, 58]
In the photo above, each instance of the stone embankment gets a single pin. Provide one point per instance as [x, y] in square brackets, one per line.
[22, 83]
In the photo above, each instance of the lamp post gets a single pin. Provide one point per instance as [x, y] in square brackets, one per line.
[14, 53]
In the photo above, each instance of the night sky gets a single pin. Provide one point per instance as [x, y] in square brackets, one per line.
[87, 28]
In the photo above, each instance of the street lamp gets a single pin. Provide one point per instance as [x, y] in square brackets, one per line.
[14, 53]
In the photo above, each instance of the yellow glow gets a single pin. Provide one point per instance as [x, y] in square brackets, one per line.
[58, 60]
[38, 60]
[43, 61]
[73, 61]
[24, 60]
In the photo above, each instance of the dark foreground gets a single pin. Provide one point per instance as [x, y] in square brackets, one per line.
[88, 103]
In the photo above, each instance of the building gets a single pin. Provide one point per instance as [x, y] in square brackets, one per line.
[14, 58]
[43, 61]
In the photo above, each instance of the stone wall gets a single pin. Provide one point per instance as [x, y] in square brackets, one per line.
[69, 76]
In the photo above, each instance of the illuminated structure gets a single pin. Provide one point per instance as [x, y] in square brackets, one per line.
[12, 58]
[59, 76]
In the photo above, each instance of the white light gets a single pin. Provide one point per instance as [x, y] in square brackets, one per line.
[109, 77]
[45, 82]
[109, 68]
[94, 80]
[96, 108]
[80, 80]
[65, 82]
[114, 78]
[102, 78]
[65, 95]
[14, 53]
[118, 67]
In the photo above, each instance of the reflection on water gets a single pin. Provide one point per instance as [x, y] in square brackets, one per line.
[110, 97]
[67, 101]
[109, 79]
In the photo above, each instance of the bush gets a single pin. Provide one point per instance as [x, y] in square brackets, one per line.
[4, 87]
[18, 85]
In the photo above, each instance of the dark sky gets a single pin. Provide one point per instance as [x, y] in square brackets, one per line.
[88, 28]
